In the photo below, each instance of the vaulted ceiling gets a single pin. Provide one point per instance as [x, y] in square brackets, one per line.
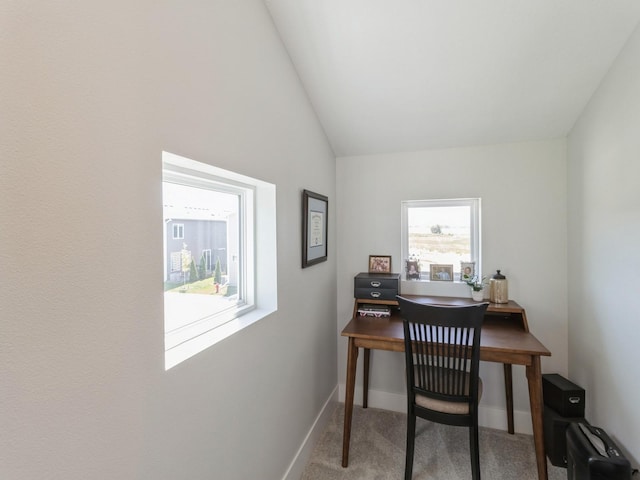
[408, 75]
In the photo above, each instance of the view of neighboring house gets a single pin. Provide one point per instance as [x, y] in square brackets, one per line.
[200, 226]
[203, 241]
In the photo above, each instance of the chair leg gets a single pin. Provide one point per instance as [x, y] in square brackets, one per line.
[475, 452]
[411, 438]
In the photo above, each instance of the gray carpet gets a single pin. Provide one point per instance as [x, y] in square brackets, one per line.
[442, 452]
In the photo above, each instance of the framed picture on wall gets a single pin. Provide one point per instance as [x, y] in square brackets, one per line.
[315, 208]
[439, 272]
[379, 264]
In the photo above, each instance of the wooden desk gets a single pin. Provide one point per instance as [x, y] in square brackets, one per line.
[503, 340]
[511, 311]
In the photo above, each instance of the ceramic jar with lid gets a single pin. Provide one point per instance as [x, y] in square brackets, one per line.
[498, 289]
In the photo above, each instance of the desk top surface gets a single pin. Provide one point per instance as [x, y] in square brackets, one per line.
[499, 335]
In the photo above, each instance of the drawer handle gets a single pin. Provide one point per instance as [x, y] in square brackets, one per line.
[375, 284]
[375, 294]
[574, 400]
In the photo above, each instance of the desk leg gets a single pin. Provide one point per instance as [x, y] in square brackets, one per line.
[508, 387]
[365, 379]
[352, 361]
[534, 376]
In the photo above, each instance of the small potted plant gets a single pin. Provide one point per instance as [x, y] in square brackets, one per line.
[477, 287]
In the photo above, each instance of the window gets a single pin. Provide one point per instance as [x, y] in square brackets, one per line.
[441, 232]
[212, 288]
[178, 231]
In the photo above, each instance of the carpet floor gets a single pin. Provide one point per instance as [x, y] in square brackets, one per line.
[441, 452]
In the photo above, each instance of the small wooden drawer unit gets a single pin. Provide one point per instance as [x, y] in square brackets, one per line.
[376, 286]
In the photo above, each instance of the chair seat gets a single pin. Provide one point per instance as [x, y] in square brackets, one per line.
[455, 408]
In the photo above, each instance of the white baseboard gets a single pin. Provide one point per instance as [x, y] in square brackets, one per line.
[299, 462]
[490, 417]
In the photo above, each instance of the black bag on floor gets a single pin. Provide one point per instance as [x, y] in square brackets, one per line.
[592, 455]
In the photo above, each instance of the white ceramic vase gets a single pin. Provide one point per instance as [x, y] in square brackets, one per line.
[477, 295]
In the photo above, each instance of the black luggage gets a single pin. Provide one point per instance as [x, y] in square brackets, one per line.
[592, 455]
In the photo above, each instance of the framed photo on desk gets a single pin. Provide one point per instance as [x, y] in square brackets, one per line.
[412, 269]
[467, 271]
[439, 272]
[379, 263]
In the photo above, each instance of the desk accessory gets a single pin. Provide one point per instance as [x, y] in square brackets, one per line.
[376, 286]
[498, 289]
[374, 310]
[378, 289]
[379, 263]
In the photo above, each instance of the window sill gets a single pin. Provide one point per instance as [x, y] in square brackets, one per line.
[195, 345]
[437, 289]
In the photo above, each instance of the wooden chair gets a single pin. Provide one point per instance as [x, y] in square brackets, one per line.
[442, 351]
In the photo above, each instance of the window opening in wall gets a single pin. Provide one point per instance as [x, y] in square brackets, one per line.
[210, 281]
[444, 232]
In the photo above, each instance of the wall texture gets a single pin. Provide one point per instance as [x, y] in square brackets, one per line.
[604, 234]
[91, 93]
[523, 192]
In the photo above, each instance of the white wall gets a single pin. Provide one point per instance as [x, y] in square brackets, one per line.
[523, 192]
[91, 93]
[604, 258]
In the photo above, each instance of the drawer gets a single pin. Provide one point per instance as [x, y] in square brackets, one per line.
[378, 280]
[376, 293]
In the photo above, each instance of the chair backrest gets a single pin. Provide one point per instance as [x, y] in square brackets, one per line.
[442, 345]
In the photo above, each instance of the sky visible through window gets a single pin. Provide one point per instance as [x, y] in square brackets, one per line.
[182, 201]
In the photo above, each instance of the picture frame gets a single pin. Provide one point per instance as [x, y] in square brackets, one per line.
[440, 272]
[467, 271]
[379, 263]
[412, 269]
[315, 210]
